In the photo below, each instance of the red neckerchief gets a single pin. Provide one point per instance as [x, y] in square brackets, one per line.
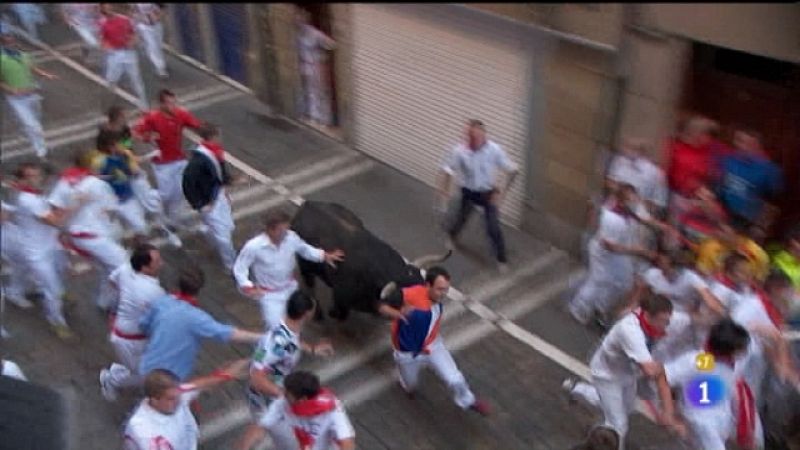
[774, 314]
[746, 406]
[649, 330]
[727, 282]
[216, 149]
[620, 209]
[25, 188]
[323, 402]
[190, 299]
[73, 175]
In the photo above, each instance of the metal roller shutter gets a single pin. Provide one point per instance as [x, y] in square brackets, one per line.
[420, 73]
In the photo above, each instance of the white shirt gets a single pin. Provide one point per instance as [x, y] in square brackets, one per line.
[146, 13]
[683, 291]
[137, 291]
[12, 370]
[149, 429]
[729, 298]
[9, 234]
[35, 236]
[272, 267]
[478, 169]
[93, 216]
[310, 42]
[646, 177]
[719, 417]
[323, 430]
[750, 312]
[680, 338]
[86, 14]
[622, 349]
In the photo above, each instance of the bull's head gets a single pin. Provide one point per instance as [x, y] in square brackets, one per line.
[421, 264]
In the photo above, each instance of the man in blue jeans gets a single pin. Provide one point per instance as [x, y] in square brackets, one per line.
[749, 180]
[478, 161]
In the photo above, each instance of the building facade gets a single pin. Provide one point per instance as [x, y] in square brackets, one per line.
[556, 85]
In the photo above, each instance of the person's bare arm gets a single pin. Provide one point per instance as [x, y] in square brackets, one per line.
[230, 371]
[43, 73]
[244, 336]
[711, 301]
[347, 444]
[261, 383]
[445, 180]
[667, 417]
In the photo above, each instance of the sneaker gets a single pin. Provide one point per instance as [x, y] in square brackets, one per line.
[62, 331]
[568, 386]
[481, 407]
[108, 391]
[20, 302]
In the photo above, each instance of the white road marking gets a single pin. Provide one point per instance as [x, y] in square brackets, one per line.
[90, 130]
[97, 119]
[460, 339]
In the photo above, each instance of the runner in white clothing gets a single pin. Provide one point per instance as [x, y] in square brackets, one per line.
[40, 254]
[271, 259]
[84, 19]
[138, 286]
[163, 420]
[13, 289]
[316, 416]
[276, 355]
[612, 251]
[89, 228]
[733, 416]
[622, 358]
[147, 17]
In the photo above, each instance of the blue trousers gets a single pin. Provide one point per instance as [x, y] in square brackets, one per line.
[481, 198]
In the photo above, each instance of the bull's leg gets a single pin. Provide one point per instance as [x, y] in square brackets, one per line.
[340, 310]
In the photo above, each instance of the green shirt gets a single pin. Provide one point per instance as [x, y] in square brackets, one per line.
[15, 70]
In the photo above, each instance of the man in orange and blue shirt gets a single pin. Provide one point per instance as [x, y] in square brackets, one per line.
[417, 313]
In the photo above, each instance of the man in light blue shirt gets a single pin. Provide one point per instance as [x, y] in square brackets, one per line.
[478, 161]
[175, 325]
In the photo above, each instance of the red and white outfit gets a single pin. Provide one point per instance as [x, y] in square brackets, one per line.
[40, 253]
[319, 423]
[136, 293]
[168, 167]
[148, 429]
[89, 230]
[615, 370]
[272, 268]
[117, 34]
[734, 418]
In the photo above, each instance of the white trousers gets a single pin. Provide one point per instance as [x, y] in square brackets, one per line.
[107, 255]
[17, 278]
[45, 268]
[276, 423]
[616, 400]
[168, 180]
[442, 363]
[129, 353]
[126, 61]
[610, 277]
[220, 228]
[315, 97]
[273, 306]
[88, 34]
[28, 109]
[132, 214]
[153, 38]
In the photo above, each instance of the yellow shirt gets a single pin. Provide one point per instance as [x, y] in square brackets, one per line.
[712, 253]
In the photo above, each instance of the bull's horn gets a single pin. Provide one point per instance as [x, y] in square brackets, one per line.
[388, 289]
[428, 260]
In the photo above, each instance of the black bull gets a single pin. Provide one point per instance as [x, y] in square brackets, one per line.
[369, 265]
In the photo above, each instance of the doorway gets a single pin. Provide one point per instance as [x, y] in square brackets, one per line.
[739, 89]
[320, 17]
